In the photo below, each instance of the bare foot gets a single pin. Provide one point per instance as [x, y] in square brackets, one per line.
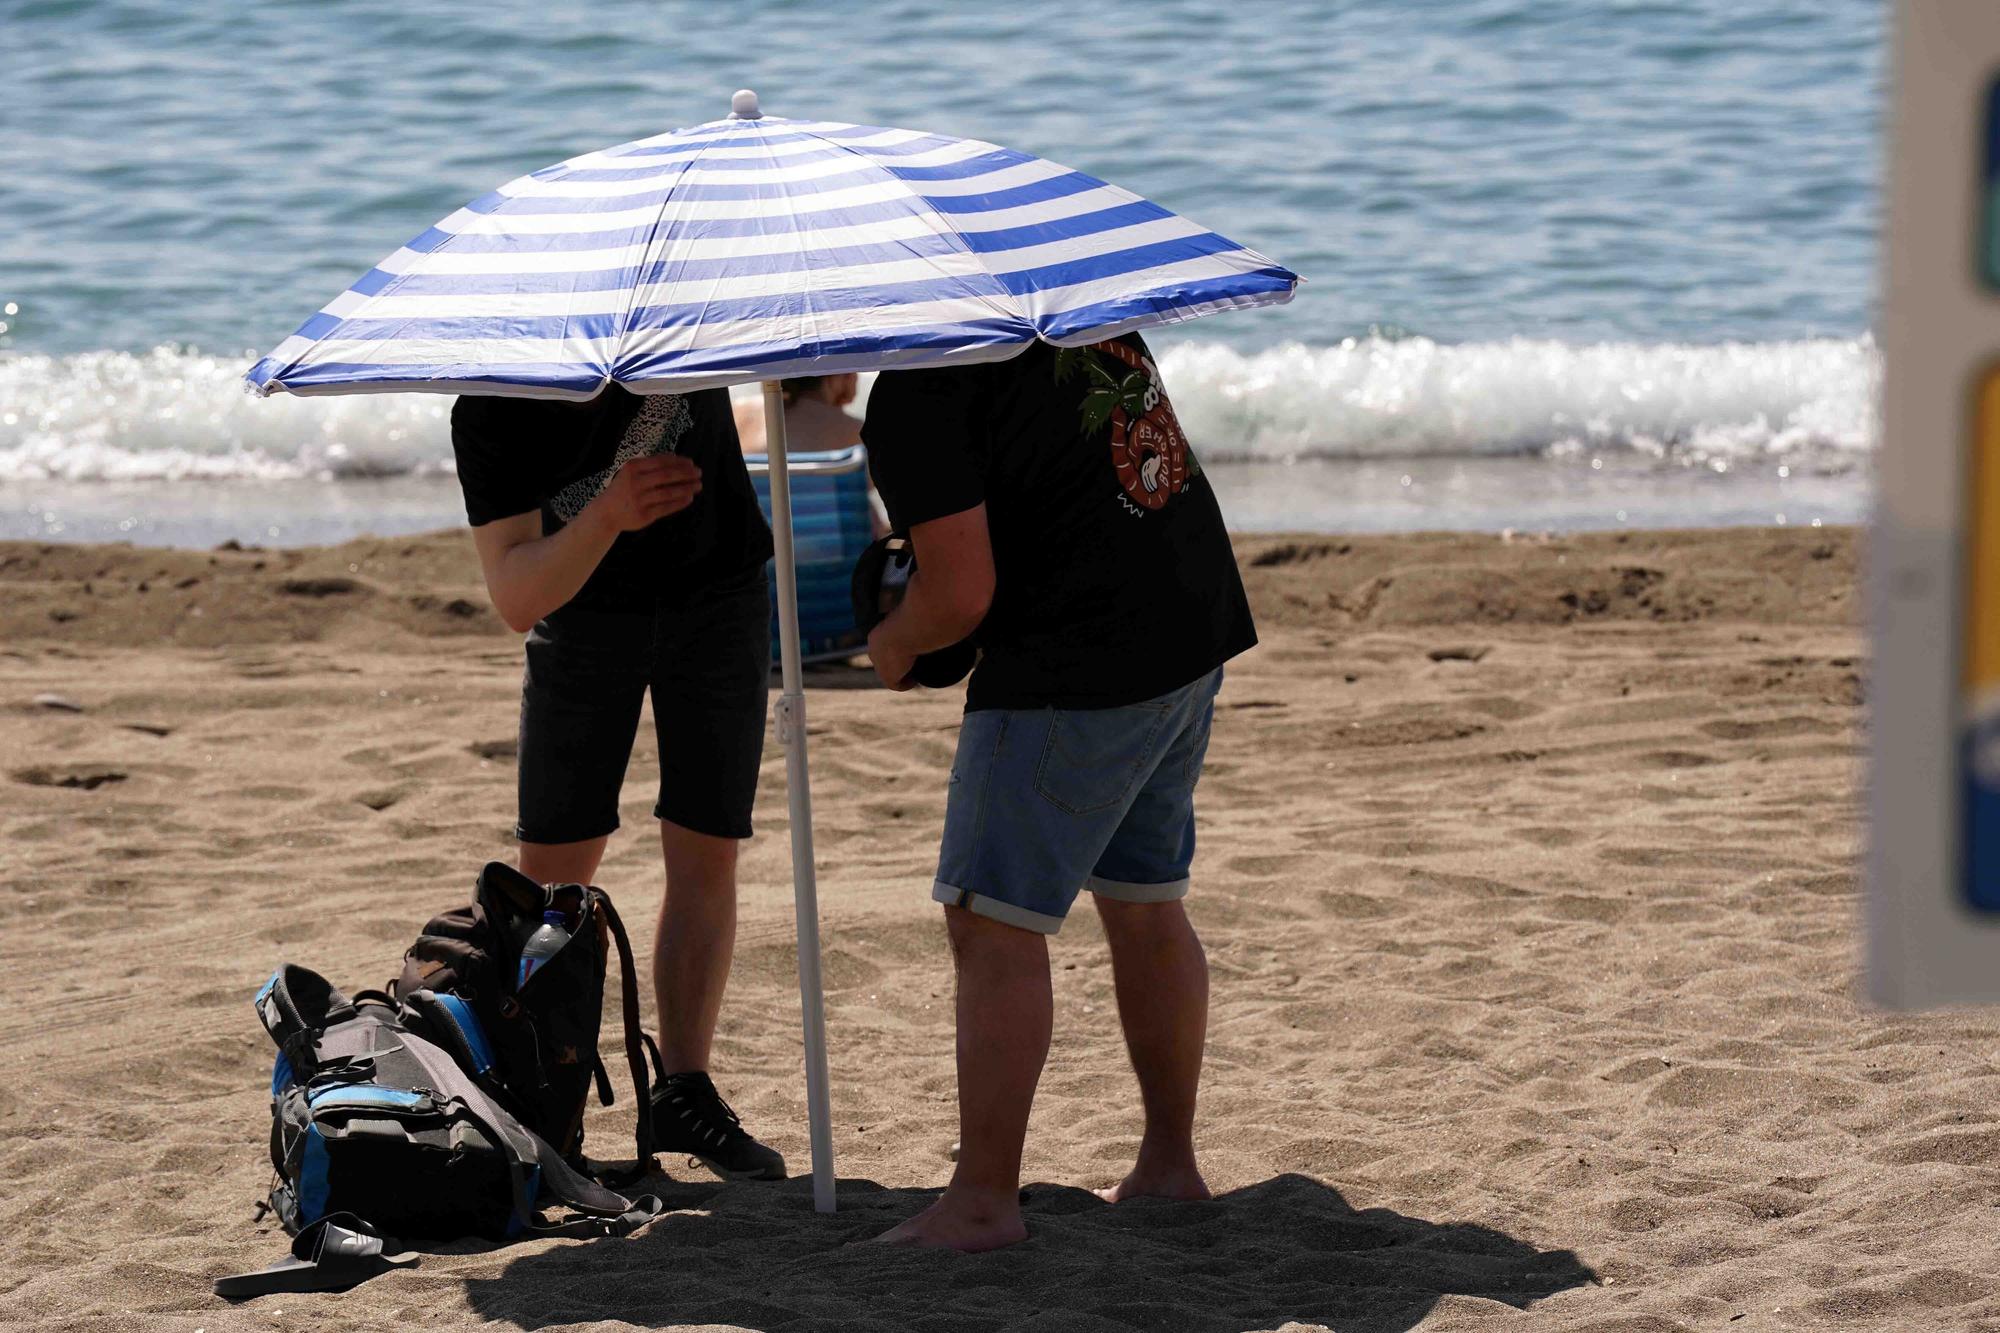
[950, 1224]
[1157, 1183]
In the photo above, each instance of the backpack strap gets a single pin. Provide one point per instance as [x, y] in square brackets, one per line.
[533, 1163]
[637, 1043]
[580, 1192]
[643, 1210]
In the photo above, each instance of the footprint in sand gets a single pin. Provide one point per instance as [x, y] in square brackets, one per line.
[1637, 1070]
[89, 777]
[323, 587]
[1678, 759]
[1547, 835]
[1503, 706]
[271, 792]
[1732, 730]
[1268, 867]
[455, 608]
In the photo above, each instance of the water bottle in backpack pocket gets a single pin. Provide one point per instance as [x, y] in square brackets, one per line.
[512, 984]
[547, 941]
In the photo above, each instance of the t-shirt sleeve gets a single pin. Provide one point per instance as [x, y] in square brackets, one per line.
[920, 443]
[489, 464]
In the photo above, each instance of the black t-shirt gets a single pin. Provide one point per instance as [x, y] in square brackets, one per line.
[1114, 578]
[516, 455]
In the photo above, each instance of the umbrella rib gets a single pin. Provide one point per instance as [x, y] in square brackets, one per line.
[667, 199]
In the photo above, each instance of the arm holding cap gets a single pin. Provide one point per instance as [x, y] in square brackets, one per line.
[948, 595]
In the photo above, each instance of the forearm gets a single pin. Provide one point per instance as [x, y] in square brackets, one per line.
[534, 578]
[927, 620]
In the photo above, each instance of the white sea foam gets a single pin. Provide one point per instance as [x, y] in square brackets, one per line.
[1378, 398]
[172, 414]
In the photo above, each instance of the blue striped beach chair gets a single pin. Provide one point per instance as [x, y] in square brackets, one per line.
[831, 527]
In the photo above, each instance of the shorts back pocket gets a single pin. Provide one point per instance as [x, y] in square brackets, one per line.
[1095, 758]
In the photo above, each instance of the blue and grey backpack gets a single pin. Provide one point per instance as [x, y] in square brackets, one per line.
[372, 1119]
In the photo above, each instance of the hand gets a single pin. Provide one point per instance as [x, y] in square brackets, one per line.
[647, 490]
[892, 665]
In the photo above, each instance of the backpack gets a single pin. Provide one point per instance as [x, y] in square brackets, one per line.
[369, 1118]
[532, 1048]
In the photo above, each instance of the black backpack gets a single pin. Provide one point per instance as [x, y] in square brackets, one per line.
[368, 1118]
[533, 1048]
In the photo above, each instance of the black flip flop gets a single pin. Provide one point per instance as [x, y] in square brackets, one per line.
[337, 1252]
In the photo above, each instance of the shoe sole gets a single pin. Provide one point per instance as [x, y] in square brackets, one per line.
[728, 1174]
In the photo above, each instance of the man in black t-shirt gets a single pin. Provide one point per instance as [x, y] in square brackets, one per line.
[623, 537]
[1060, 519]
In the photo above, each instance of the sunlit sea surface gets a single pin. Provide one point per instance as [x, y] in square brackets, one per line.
[1574, 263]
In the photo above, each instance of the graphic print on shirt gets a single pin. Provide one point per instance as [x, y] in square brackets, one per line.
[1149, 451]
[656, 428]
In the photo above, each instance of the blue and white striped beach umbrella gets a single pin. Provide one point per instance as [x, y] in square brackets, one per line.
[758, 247]
[755, 248]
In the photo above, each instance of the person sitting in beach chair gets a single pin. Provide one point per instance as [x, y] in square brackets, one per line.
[1060, 519]
[623, 537]
[816, 422]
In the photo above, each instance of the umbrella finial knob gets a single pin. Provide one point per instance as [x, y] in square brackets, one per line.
[743, 106]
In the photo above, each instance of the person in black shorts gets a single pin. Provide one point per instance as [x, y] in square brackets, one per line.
[623, 537]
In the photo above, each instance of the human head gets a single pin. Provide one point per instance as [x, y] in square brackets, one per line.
[838, 390]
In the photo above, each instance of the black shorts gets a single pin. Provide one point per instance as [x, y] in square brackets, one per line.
[707, 660]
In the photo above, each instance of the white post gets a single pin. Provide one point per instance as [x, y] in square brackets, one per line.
[798, 788]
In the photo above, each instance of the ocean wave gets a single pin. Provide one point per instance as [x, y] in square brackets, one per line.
[1379, 397]
[173, 414]
[177, 415]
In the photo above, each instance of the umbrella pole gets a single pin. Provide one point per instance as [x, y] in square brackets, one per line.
[798, 788]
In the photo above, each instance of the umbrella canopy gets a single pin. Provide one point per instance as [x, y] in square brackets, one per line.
[758, 247]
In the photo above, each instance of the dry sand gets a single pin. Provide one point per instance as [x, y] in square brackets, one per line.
[1527, 875]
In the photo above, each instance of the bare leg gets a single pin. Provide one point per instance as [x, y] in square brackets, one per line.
[1005, 1010]
[694, 943]
[1161, 975]
[562, 862]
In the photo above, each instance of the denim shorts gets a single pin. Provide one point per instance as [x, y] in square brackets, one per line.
[1047, 802]
[705, 658]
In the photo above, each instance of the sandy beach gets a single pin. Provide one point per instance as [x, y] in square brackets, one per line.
[1527, 871]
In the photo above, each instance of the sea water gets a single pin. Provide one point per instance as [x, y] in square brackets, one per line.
[1570, 263]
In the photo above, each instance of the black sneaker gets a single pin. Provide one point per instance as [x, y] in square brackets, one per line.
[689, 1116]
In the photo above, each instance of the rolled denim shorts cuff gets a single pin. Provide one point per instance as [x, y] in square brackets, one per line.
[993, 909]
[1119, 891]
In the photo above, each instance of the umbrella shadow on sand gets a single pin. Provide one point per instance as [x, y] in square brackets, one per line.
[1287, 1249]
